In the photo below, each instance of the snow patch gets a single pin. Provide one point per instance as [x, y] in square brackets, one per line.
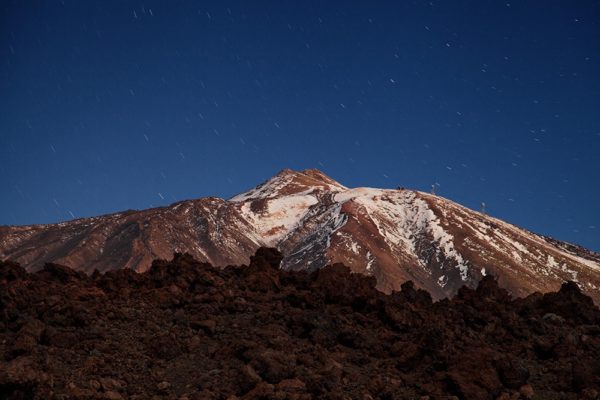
[442, 281]
[402, 218]
[281, 216]
[339, 220]
[370, 261]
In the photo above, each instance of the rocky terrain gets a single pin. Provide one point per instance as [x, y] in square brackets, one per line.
[394, 235]
[185, 330]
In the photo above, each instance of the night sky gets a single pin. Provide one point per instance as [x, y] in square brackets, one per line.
[115, 105]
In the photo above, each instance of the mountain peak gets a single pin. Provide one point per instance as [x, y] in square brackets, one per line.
[319, 175]
[289, 182]
[313, 173]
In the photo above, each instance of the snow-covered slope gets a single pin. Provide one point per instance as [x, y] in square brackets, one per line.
[394, 235]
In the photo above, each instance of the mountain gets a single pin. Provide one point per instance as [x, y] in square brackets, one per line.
[393, 235]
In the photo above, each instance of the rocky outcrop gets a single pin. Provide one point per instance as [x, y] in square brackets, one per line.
[185, 330]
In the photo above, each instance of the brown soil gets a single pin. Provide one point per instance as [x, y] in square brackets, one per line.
[184, 330]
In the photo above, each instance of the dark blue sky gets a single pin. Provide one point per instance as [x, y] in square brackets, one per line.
[115, 105]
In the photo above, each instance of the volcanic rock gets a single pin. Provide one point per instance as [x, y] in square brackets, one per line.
[329, 334]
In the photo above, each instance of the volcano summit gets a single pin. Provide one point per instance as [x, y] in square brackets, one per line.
[393, 235]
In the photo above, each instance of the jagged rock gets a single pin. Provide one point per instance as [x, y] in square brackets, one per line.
[60, 273]
[527, 391]
[207, 325]
[11, 271]
[555, 319]
[185, 330]
[271, 365]
[513, 373]
[266, 256]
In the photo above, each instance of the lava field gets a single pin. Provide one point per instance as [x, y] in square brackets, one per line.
[185, 330]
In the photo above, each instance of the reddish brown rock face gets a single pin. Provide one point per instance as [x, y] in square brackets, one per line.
[393, 235]
[184, 329]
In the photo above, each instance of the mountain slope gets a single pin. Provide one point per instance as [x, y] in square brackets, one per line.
[393, 235]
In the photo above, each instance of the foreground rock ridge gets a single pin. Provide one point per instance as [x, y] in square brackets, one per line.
[394, 235]
[186, 330]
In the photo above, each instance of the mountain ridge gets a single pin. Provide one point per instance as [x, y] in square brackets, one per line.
[393, 234]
